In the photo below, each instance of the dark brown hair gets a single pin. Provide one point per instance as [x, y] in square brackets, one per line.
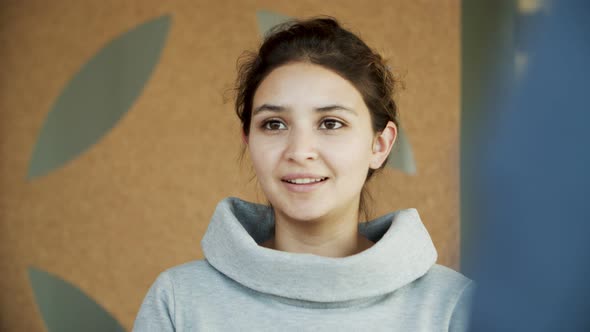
[321, 41]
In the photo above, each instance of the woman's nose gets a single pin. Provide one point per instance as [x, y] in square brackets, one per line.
[301, 146]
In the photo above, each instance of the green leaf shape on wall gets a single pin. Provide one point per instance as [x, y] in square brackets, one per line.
[267, 19]
[98, 96]
[401, 155]
[65, 308]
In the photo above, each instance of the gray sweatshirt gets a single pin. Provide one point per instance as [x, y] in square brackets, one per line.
[241, 286]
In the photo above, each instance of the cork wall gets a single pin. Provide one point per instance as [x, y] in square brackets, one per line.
[135, 193]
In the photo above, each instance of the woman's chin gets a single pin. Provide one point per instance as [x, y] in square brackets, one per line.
[303, 214]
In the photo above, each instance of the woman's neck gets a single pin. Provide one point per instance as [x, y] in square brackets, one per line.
[335, 236]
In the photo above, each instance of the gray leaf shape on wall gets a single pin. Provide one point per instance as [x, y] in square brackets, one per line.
[267, 20]
[401, 155]
[98, 95]
[65, 308]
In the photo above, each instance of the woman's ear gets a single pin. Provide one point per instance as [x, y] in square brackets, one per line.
[382, 145]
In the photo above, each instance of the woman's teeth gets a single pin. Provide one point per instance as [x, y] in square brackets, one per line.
[304, 181]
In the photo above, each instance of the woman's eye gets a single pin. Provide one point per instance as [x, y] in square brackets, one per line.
[274, 125]
[331, 124]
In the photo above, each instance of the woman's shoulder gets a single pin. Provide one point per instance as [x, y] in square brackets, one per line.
[442, 285]
[440, 273]
[445, 291]
[189, 277]
[445, 280]
[176, 290]
[188, 268]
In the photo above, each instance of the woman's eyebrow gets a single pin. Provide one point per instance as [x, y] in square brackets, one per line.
[277, 108]
[336, 107]
[268, 107]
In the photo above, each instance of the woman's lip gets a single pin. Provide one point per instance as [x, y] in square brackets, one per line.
[304, 187]
[302, 176]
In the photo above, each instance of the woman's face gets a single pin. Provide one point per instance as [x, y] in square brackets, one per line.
[310, 141]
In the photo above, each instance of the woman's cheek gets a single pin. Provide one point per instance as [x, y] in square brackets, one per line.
[264, 154]
[349, 152]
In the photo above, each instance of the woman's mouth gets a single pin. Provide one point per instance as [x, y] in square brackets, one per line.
[305, 180]
[304, 184]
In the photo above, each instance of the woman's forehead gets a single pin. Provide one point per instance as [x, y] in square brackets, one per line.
[306, 85]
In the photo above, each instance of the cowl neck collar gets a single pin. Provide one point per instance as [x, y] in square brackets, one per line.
[402, 253]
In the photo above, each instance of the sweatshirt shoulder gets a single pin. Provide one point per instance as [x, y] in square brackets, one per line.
[442, 285]
[454, 293]
[196, 278]
[165, 305]
[443, 275]
[190, 273]
[447, 283]
[189, 268]
[445, 292]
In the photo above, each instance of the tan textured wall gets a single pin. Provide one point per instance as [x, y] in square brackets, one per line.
[139, 201]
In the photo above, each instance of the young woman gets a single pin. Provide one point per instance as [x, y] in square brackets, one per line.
[318, 119]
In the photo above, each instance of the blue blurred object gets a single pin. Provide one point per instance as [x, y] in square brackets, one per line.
[532, 247]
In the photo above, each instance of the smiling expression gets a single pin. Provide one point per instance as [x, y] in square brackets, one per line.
[310, 142]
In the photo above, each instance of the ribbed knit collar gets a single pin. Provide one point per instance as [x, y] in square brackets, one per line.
[403, 252]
